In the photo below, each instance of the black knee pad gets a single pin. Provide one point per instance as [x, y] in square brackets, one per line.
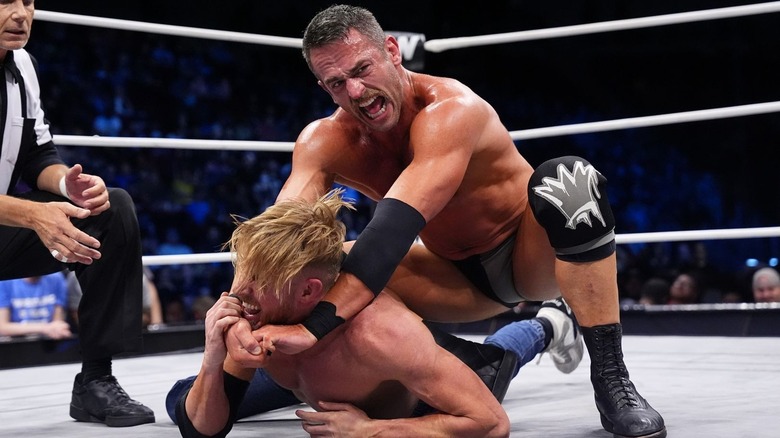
[568, 198]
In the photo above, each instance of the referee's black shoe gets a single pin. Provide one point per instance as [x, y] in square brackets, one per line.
[104, 401]
[624, 412]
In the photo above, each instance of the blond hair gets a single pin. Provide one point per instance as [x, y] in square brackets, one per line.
[288, 237]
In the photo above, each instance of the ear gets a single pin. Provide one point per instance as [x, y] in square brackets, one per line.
[393, 49]
[313, 290]
[327, 91]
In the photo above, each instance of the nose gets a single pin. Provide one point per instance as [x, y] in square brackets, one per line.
[355, 88]
[19, 11]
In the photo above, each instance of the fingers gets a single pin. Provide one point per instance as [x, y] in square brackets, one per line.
[96, 197]
[311, 418]
[74, 246]
[267, 344]
[78, 254]
[88, 191]
[245, 339]
[74, 172]
[59, 257]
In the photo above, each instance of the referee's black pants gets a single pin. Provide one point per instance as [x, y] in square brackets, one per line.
[111, 305]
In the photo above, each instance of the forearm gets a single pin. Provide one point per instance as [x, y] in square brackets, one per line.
[374, 256]
[210, 406]
[49, 178]
[349, 295]
[20, 329]
[16, 212]
[436, 425]
[207, 405]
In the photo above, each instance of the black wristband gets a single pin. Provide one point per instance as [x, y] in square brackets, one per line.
[323, 319]
[383, 243]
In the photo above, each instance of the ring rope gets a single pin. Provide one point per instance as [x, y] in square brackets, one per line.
[167, 29]
[173, 143]
[662, 236]
[438, 45]
[441, 45]
[525, 134]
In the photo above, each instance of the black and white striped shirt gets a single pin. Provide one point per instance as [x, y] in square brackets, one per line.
[27, 147]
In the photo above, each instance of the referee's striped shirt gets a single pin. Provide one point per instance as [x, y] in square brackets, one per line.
[27, 146]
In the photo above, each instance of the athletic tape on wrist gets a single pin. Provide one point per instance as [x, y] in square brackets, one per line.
[383, 243]
[63, 189]
[323, 319]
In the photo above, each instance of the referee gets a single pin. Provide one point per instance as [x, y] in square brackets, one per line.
[67, 219]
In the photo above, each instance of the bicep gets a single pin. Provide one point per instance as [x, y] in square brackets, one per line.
[431, 373]
[451, 387]
[443, 141]
[309, 176]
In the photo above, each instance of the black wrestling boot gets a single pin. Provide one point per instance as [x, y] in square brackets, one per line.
[104, 401]
[624, 412]
[494, 365]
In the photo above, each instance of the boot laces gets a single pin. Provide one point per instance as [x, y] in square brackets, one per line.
[113, 388]
[615, 375]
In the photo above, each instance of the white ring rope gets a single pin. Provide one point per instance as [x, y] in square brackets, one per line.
[167, 29]
[526, 134]
[639, 122]
[663, 236]
[173, 143]
[439, 46]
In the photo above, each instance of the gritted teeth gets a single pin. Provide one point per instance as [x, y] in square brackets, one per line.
[251, 308]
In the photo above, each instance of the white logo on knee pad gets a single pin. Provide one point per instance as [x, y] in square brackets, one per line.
[574, 194]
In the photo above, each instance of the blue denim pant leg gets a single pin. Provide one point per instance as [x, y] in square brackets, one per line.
[524, 338]
[263, 395]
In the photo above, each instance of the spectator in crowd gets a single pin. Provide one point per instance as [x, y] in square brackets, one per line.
[684, 289]
[766, 285]
[201, 306]
[175, 311]
[655, 290]
[34, 305]
[152, 309]
[60, 217]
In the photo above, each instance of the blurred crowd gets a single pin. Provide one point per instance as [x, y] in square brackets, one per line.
[116, 83]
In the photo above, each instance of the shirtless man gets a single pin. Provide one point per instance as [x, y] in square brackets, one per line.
[440, 164]
[379, 372]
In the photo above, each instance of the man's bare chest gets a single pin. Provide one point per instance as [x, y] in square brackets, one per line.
[370, 170]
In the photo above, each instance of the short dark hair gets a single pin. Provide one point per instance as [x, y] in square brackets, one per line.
[333, 24]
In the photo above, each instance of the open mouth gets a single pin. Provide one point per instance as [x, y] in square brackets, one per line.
[251, 314]
[374, 107]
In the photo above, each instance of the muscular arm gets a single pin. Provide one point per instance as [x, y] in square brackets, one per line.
[466, 407]
[443, 138]
[401, 348]
[211, 403]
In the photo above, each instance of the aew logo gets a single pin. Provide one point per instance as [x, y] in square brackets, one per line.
[412, 49]
[574, 194]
